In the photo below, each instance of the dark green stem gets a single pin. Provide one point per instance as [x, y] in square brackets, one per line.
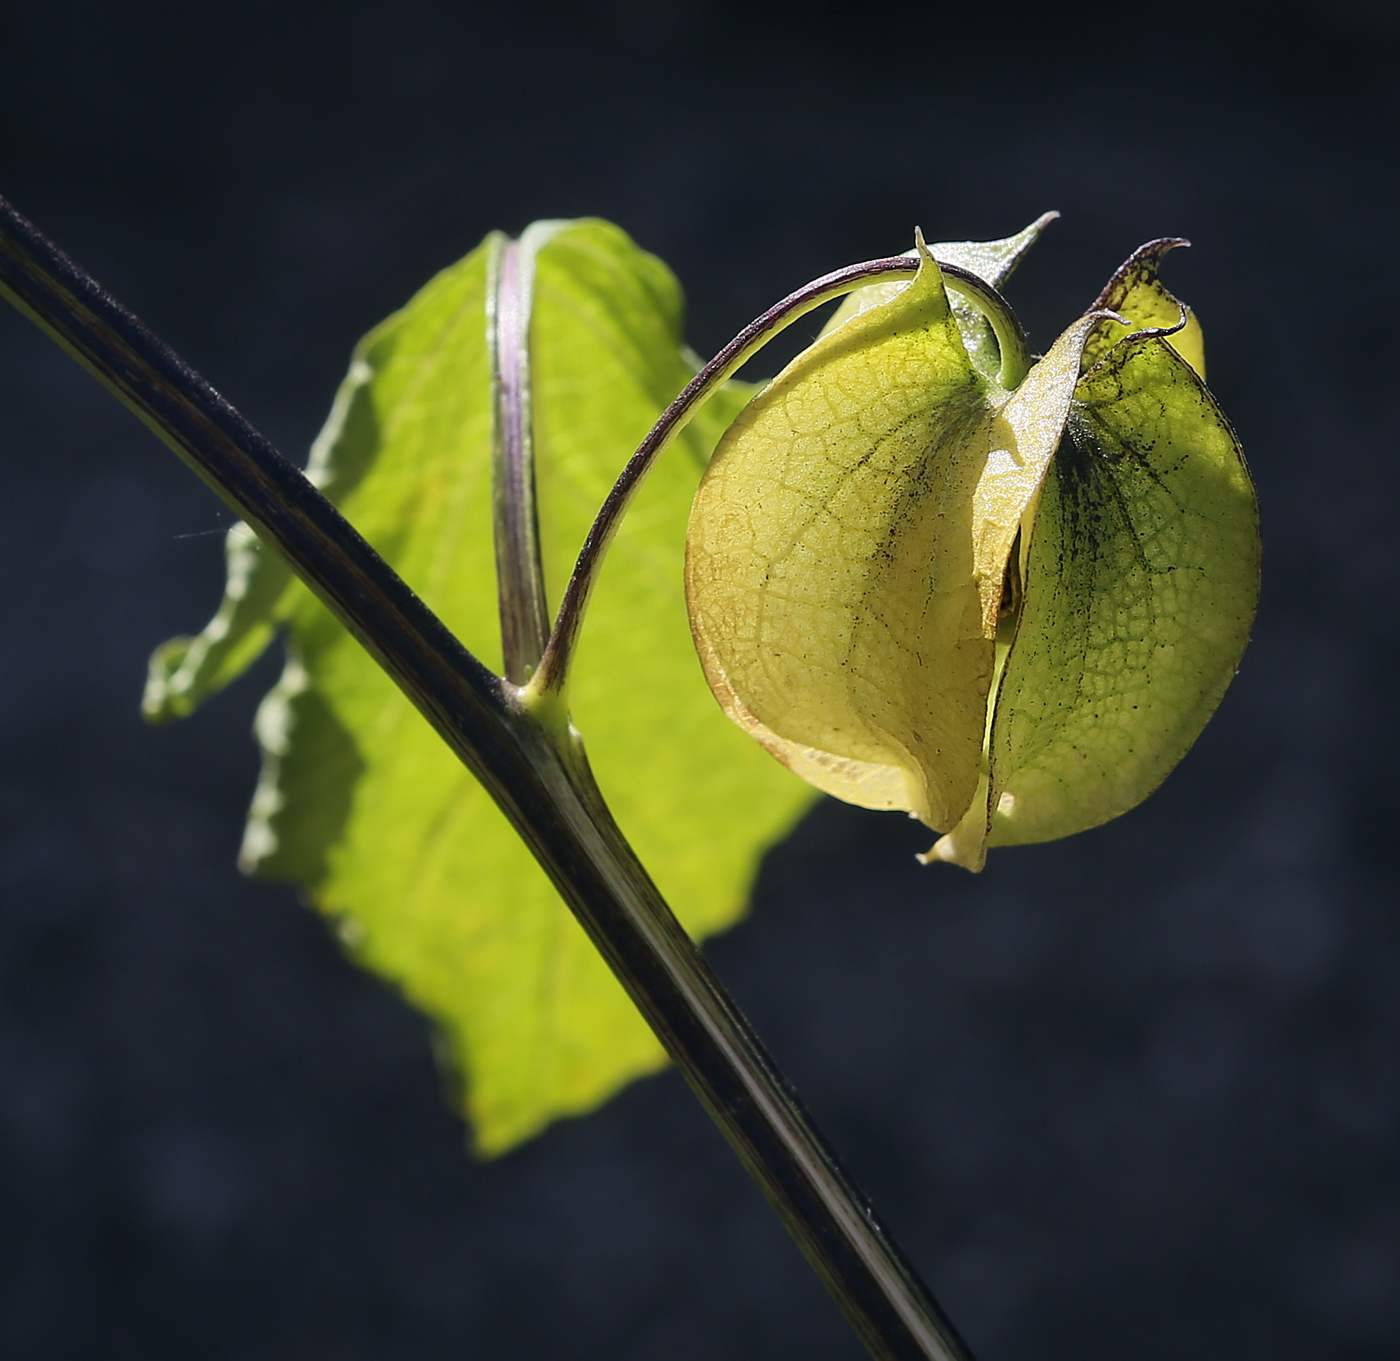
[524, 754]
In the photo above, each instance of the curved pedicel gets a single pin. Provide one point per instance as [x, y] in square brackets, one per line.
[549, 681]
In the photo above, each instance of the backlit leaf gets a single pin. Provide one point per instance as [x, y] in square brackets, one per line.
[361, 802]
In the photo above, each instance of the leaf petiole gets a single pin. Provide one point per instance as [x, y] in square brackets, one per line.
[515, 518]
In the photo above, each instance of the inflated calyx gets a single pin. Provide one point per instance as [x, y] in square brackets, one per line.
[1008, 610]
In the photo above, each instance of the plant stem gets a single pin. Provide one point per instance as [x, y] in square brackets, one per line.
[558, 654]
[735, 1079]
[533, 765]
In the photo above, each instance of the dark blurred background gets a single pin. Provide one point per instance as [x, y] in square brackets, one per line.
[1133, 1095]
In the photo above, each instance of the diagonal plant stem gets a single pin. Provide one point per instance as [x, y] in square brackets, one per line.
[528, 759]
[553, 673]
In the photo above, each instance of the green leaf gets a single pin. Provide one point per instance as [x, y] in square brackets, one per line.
[360, 801]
